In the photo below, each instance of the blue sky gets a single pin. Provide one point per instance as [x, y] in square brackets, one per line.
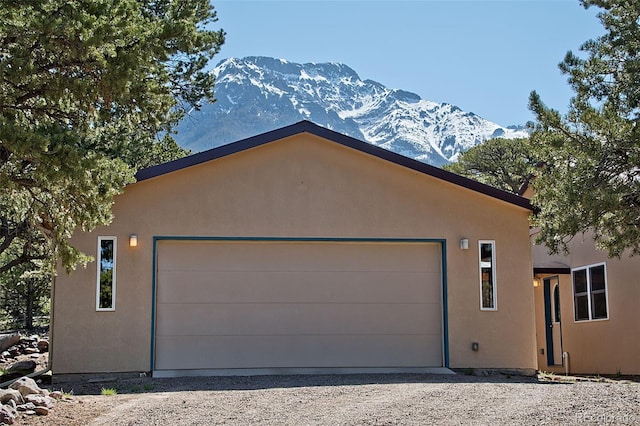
[483, 56]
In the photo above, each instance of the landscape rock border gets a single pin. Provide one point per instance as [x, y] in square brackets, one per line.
[24, 395]
[19, 357]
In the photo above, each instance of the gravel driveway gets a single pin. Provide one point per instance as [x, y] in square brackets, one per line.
[386, 399]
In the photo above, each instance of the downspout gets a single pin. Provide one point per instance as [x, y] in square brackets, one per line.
[46, 370]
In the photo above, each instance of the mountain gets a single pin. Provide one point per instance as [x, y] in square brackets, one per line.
[258, 94]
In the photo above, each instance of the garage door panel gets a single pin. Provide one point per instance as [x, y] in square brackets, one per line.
[296, 351]
[269, 304]
[297, 287]
[236, 256]
[308, 318]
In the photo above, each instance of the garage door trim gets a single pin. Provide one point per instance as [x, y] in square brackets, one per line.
[443, 257]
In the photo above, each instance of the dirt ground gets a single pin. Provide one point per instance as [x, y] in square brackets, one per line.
[385, 399]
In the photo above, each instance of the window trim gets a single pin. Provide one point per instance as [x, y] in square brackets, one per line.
[113, 275]
[589, 292]
[493, 273]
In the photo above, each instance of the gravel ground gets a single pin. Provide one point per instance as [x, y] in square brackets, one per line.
[386, 399]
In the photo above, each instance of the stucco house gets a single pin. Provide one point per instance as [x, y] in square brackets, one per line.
[586, 310]
[300, 250]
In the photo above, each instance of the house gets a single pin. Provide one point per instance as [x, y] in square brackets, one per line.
[586, 313]
[586, 318]
[300, 250]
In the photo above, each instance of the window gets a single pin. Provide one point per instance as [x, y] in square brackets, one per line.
[106, 282]
[488, 275]
[556, 303]
[590, 293]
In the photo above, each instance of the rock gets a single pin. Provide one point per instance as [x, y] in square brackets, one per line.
[30, 412]
[7, 414]
[29, 351]
[42, 411]
[26, 386]
[8, 340]
[40, 401]
[7, 395]
[43, 346]
[27, 366]
[27, 341]
[26, 407]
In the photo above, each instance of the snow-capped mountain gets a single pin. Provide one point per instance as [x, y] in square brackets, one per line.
[258, 94]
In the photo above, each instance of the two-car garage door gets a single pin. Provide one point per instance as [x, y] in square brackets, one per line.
[297, 304]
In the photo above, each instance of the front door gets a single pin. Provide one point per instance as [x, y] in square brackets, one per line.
[553, 320]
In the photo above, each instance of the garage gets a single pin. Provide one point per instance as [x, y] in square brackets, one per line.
[299, 250]
[224, 304]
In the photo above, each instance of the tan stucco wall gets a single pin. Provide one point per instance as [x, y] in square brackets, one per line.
[301, 186]
[609, 346]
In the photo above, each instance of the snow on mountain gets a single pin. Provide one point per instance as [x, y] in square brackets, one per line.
[258, 94]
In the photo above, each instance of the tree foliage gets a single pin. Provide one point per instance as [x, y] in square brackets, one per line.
[24, 294]
[590, 179]
[506, 164]
[85, 88]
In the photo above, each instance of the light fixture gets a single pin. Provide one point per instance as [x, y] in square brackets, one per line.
[133, 240]
[464, 244]
[536, 282]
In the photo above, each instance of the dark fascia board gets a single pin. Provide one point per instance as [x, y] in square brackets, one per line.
[314, 129]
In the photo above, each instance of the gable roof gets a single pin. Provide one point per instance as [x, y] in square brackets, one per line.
[314, 129]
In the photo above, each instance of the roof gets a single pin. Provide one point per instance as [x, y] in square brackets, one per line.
[339, 138]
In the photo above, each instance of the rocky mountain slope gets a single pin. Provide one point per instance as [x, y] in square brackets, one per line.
[258, 94]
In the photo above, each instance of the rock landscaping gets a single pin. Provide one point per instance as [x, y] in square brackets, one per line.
[20, 356]
[25, 396]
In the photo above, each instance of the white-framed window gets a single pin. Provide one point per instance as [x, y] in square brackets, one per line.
[487, 263]
[106, 274]
[590, 298]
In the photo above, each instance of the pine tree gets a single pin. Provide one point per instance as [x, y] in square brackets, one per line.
[506, 164]
[86, 87]
[590, 174]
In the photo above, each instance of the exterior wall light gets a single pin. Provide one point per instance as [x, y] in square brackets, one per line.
[133, 240]
[464, 244]
[536, 282]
